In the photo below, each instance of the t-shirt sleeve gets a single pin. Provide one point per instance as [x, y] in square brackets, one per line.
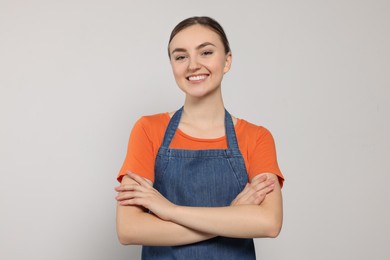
[263, 158]
[140, 156]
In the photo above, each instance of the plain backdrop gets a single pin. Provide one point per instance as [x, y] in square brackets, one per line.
[76, 75]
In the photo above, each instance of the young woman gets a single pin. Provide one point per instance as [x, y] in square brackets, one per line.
[199, 183]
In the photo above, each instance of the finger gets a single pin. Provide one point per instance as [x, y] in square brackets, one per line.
[254, 187]
[250, 194]
[122, 184]
[243, 192]
[270, 188]
[131, 202]
[261, 195]
[139, 179]
[254, 191]
[263, 185]
[239, 197]
[246, 198]
[249, 198]
[260, 198]
[259, 182]
[259, 178]
[120, 188]
[124, 196]
[129, 187]
[130, 195]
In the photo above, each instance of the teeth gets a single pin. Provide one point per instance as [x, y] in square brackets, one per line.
[197, 77]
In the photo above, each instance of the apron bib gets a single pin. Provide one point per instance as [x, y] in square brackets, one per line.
[201, 178]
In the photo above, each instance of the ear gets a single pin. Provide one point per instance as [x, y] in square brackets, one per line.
[228, 62]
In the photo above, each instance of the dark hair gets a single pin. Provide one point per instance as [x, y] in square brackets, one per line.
[204, 21]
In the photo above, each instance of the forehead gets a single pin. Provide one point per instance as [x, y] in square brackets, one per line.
[193, 36]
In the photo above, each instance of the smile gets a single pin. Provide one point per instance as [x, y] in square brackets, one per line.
[197, 77]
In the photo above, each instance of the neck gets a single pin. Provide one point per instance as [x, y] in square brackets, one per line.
[206, 111]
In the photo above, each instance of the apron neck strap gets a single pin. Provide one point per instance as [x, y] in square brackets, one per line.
[175, 120]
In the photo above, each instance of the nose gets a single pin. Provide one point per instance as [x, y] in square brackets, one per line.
[193, 64]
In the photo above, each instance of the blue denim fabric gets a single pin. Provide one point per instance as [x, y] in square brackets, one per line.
[201, 178]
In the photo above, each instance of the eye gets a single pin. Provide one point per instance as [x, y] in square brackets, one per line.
[180, 57]
[207, 53]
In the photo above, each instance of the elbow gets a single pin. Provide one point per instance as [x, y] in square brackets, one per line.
[269, 227]
[274, 228]
[127, 240]
[123, 241]
[128, 231]
[126, 236]
[123, 238]
[274, 231]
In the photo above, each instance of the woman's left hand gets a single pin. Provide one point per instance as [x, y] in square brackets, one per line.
[143, 194]
[255, 192]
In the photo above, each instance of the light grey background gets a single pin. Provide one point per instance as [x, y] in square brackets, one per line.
[76, 75]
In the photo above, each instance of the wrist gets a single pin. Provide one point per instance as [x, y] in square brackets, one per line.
[175, 212]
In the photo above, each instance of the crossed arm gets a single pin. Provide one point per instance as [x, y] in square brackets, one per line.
[256, 212]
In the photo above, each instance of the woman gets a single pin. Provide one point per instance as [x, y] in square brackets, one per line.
[199, 183]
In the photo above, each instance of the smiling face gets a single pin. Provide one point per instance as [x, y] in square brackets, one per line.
[198, 60]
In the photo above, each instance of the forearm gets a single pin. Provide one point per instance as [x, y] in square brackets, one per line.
[177, 225]
[137, 227]
[243, 221]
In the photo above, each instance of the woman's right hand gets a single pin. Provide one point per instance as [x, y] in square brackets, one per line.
[255, 192]
[142, 193]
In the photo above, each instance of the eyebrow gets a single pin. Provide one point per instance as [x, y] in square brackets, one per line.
[200, 46]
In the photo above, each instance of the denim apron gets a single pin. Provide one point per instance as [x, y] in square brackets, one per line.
[201, 178]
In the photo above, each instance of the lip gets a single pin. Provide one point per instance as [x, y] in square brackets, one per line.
[201, 77]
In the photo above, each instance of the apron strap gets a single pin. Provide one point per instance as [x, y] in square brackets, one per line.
[231, 134]
[229, 130]
[171, 129]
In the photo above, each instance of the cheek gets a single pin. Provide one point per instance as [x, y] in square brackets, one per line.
[217, 67]
[178, 70]
[218, 63]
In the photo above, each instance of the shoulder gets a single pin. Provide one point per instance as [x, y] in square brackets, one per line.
[251, 130]
[152, 126]
[146, 122]
[155, 119]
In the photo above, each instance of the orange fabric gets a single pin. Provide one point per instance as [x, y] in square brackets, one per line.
[255, 142]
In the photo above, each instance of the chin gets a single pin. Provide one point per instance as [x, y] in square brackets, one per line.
[198, 90]
[200, 94]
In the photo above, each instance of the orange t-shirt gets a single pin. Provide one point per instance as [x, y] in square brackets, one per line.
[255, 142]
